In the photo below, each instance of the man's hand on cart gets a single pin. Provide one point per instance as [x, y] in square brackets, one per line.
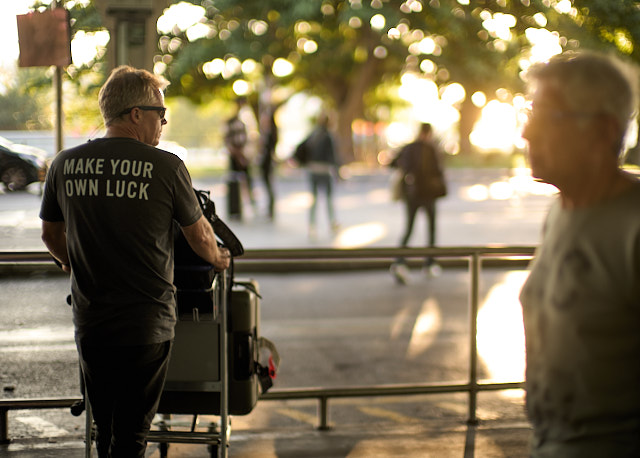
[66, 267]
[223, 259]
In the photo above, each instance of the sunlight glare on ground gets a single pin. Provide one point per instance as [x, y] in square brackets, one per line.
[476, 193]
[519, 185]
[294, 202]
[351, 202]
[525, 184]
[500, 334]
[500, 190]
[426, 328]
[378, 196]
[361, 235]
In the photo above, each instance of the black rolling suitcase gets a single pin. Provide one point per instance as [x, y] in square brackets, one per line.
[244, 351]
[192, 385]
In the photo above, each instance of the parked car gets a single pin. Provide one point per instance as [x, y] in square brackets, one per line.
[21, 165]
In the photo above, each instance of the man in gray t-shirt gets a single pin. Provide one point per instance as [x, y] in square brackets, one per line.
[108, 211]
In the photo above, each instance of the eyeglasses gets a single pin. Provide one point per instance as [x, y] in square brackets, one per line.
[161, 110]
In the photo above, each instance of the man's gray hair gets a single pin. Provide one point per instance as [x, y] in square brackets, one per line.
[125, 88]
[592, 83]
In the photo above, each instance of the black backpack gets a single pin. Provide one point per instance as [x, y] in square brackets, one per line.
[191, 272]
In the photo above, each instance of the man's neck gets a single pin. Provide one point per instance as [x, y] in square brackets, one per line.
[122, 131]
[589, 191]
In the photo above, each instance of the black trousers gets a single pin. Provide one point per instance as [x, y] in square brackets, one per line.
[123, 385]
[267, 176]
[412, 208]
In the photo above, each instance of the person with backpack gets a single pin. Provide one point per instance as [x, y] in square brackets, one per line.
[318, 153]
[423, 182]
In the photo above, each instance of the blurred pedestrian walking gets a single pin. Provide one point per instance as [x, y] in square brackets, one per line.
[235, 141]
[269, 139]
[421, 183]
[318, 153]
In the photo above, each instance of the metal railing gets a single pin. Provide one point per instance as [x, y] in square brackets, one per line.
[301, 260]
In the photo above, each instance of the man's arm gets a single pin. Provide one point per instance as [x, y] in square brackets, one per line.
[55, 239]
[202, 240]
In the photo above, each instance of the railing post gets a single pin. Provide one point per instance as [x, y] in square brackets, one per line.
[323, 411]
[4, 426]
[474, 288]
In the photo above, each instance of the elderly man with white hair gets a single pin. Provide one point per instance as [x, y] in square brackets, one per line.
[581, 302]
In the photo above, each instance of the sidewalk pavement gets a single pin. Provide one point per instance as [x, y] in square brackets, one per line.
[429, 439]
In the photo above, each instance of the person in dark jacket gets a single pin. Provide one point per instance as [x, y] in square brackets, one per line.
[423, 183]
[322, 165]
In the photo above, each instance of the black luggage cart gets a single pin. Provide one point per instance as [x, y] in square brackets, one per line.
[212, 369]
[199, 363]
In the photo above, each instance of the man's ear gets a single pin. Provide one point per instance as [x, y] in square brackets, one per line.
[135, 116]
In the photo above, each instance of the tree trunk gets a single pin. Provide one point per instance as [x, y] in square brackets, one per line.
[346, 115]
[469, 115]
[350, 104]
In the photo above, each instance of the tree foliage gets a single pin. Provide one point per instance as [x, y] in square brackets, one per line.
[25, 104]
[352, 53]
[343, 50]
[614, 24]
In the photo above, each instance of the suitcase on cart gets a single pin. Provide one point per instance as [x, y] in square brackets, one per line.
[195, 370]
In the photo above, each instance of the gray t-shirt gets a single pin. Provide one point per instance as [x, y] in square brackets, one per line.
[581, 308]
[118, 198]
